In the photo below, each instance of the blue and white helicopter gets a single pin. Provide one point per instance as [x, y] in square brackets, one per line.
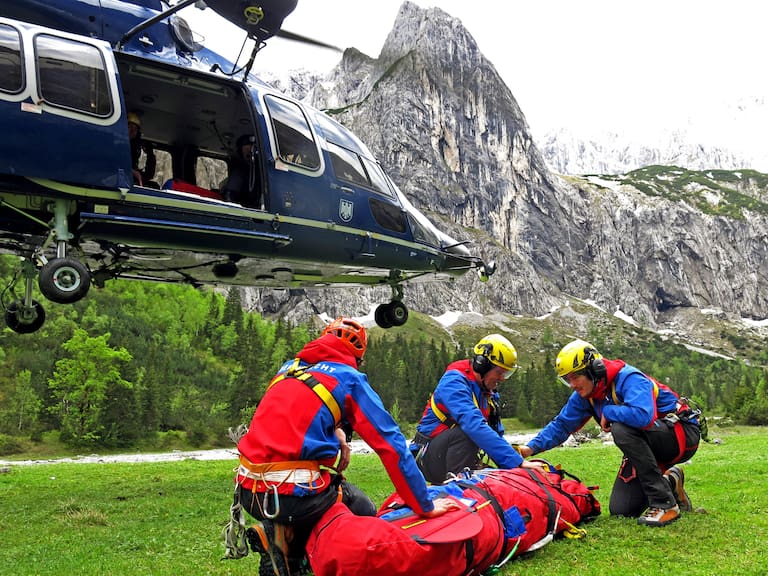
[81, 202]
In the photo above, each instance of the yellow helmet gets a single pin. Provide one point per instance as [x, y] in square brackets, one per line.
[574, 357]
[497, 350]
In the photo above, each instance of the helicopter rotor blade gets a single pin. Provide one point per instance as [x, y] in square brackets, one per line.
[285, 34]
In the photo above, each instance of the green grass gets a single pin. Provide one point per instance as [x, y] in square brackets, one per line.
[166, 518]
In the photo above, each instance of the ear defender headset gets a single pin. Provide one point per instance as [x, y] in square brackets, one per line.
[595, 367]
[481, 363]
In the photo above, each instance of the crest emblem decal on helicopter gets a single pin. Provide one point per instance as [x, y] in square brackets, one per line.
[346, 208]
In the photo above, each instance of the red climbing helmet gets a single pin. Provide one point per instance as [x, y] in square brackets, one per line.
[350, 332]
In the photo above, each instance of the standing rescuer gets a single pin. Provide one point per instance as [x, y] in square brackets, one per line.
[295, 449]
[652, 426]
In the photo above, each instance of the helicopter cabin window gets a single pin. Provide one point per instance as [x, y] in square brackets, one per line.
[11, 72]
[293, 137]
[209, 171]
[72, 75]
[378, 180]
[347, 165]
[356, 169]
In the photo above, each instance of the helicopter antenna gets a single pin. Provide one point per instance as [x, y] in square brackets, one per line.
[235, 69]
[147, 23]
[247, 68]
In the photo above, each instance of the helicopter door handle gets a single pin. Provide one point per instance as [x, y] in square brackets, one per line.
[346, 189]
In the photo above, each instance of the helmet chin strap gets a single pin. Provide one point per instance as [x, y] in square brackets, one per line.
[483, 386]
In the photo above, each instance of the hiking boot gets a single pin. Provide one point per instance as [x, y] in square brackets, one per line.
[268, 539]
[659, 516]
[676, 478]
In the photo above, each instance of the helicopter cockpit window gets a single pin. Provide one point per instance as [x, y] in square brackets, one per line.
[378, 180]
[11, 72]
[72, 75]
[295, 144]
[421, 233]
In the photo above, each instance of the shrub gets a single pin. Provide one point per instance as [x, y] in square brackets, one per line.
[10, 445]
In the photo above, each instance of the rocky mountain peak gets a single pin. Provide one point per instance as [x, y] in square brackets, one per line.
[474, 152]
[435, 34]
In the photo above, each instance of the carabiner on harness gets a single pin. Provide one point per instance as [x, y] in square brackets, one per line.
[265, 502]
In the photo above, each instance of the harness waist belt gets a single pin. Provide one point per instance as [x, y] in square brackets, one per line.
[294, 472]
[297, 476]
[420, 438]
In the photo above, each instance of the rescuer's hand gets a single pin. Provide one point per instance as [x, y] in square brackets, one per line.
[442, 505]
[345, 453]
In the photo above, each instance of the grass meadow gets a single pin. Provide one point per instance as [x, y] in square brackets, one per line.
[166, 518]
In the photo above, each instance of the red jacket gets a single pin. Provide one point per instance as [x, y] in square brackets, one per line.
[292, 423]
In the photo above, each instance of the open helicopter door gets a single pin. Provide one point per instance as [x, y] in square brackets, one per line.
[59, 91]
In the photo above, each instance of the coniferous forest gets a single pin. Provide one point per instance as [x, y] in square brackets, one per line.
[137, 361]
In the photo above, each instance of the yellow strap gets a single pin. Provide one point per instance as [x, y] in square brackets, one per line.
[440, 414]
[290, 372]
[326, 397]
[317, 387]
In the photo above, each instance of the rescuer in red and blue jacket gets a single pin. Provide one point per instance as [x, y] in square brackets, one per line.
[289, 474]
[462, 415]
[652, 426]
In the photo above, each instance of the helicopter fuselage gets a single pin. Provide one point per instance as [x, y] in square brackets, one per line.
[313, 207]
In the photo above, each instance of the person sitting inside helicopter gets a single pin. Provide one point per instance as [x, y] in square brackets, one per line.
[142, 177]
[242, 186]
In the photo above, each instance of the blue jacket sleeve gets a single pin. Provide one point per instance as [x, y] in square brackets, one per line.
[571, 418]
[638, 405]
[369, 418]
[455, 393]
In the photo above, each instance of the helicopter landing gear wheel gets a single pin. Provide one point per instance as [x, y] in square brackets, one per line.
[394, 313]
[24, 319]
[64, 280]
[381, 317]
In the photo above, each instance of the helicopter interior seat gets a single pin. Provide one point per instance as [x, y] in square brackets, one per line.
[243, 182]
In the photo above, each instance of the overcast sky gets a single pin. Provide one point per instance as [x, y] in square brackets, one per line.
[631, 67]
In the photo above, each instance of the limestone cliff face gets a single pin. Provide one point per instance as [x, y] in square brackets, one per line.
[650, 254]
[451, 135]
[610, 153]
